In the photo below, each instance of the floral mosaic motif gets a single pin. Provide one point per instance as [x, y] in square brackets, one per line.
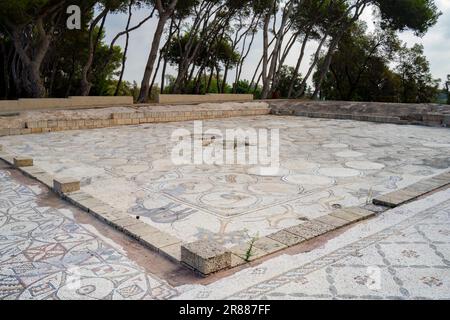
[363, 280]
[45, 254]
[410, 254]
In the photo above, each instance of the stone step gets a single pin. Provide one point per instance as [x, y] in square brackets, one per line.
[414, 191]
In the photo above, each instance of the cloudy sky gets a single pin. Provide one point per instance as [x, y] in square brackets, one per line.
[436, 43]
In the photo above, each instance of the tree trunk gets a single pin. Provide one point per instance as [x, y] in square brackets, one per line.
[72, 72]
[124, 57]
[208, 87]
[268, 88]
[265, 61]
[224, 80]
[311, 67]
[145, 84]
[31, 79]
[297, 67]
[169, 40]
[85, 85]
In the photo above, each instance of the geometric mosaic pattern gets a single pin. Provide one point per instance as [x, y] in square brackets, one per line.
[325, 164]
[409, 260]
[45, 254]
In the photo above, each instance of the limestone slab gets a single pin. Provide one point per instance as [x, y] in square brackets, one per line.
[205, 256]
[44, 178]
[236, 261]
[33, 170]
[269, 245]
[304, 232]
[318, 226]
[243, 251]
[23, 162]
[286, 238]
[333, 221]
[156, 239]
[396, 198]
[139, 230]
[66, 185]
[346, 215]
[172, 251]
[125, 222]
[363, 213]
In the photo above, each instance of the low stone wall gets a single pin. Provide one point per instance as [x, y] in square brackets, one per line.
[397, 113]
[125, 118]
[50, 103]
[193, 98]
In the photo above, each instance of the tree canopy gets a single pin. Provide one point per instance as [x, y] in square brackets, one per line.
[209, 43]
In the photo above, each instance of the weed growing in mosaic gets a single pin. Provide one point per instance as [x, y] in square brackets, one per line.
[249, 253]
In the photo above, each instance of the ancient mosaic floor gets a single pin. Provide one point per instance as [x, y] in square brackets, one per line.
[325, 164]
[402, 254]
[46, 254]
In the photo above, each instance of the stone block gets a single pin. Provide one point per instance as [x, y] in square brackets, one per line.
[346, 215]
[286, 238]
[125, 222]
[172, 251]
[269, 245]
[205, 256]
[396, 198]
[44, 178]
[107, 213]
[79, 195]
[363, 213]
[1, 147]
[66, 185]
[247, 252]
[236, 261]
[23, 162]
[303, 232]
[318, 226]
[421, 187]
[333, 221]
[156, 239]
[33, 171]
[138, 230]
